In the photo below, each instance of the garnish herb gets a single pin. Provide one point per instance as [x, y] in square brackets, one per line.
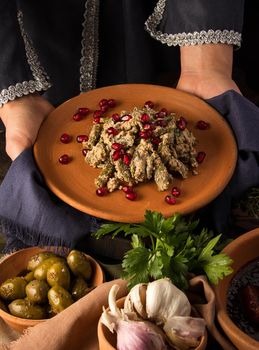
[250, 202]
[168, 247]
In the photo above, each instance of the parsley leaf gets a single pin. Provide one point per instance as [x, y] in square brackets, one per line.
[217, 267]
[168, 247]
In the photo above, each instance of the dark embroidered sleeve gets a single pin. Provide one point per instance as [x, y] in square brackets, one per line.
[192, 22]
[20, 71]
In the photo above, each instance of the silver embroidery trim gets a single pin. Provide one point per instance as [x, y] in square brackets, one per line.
[89, 51]
[41, 82]
[186, 39]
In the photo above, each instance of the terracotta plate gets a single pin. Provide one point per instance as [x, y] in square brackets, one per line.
[74, 182]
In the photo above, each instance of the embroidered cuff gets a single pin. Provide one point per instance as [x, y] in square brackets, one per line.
[186, 39]
[22, 89]
[41, 80]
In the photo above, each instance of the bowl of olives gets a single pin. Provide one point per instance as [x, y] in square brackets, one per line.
[38, 283]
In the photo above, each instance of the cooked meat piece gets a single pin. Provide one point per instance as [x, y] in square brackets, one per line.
[113, 184]
[96, 155]
[250, 298]
[93, 136]
[161, 176]
[123, 172]
[105, 175]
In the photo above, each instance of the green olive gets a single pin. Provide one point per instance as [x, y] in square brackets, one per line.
[79, 264]
[37, 291]
[25, 309]
[29, 276]
[59, 274]
[13, 288]
[59, 299]
[37, 259]
[80, 288]
[40, 273]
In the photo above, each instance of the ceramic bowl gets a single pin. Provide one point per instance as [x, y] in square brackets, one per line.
[242, 250]
[107, 340]
[15, 263]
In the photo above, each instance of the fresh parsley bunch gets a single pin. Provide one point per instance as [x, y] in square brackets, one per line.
[168, 247]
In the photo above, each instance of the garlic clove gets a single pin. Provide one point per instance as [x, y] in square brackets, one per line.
[139, 335]
[112, 300]
[187, 326]
[164, 300]
[181, 343]
[109, 320]
[184, 332]
[110, 317]
[136, 300]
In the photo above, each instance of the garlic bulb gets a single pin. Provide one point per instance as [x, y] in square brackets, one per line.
[131, 334]
[161, 301]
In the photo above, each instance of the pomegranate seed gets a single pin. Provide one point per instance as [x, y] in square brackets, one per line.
[200, 157]
[117, 146]
[145, 118]
[97, 113]
[148, 126]
[156, 140]
[145, 134]
[149, 104]
[181, 123]
[163, 113]
[84, 151]
[81, 138]
[170, 200]
[202, 125]
[127, 189]
[116, 118]
[97, 120]
[116, 155]
[156, 116]
[176, 192]
[127, 159]
[103, 102]
[131, 196]
[104, 108]
[77, 117]
[83, 110]
[163, 123]
[65, 138]
[126, 117]
[112, 131]
[111, 103]
[64, 159]
[101, 191]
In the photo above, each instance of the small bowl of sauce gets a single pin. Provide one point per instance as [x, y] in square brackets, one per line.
[236, 295]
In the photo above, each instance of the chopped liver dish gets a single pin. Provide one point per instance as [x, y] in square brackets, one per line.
[139, 146]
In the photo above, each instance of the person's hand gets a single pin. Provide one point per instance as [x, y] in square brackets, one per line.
[206, 70]
[206, 85]
[22, 119]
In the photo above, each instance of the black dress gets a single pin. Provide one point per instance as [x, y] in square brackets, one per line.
[64, 47]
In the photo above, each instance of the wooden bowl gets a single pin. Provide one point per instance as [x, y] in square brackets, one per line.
[16, 263]
[242, 250]
[107, 340]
